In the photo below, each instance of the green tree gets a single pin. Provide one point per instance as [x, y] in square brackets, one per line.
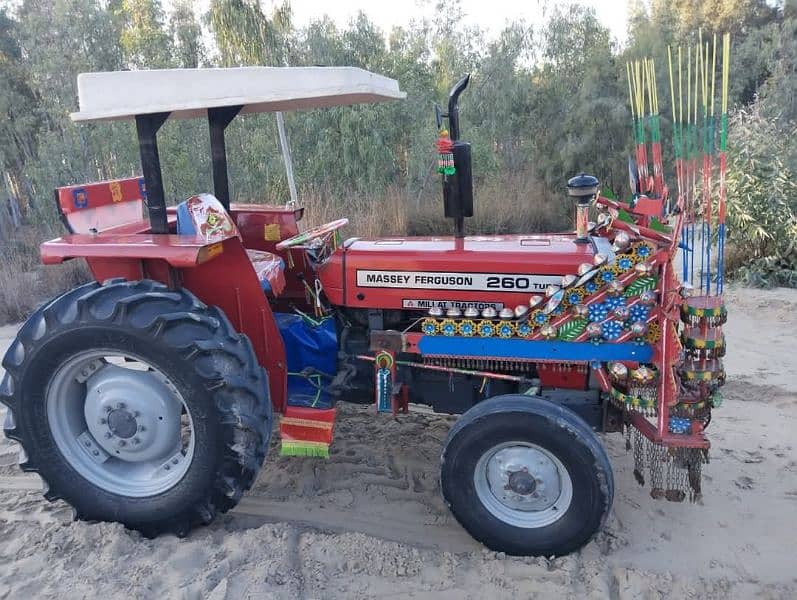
[142, 36]
[245, 35]
[762, 200]
[580, 107]
[59, 39]
[19, 122]
[186, 34]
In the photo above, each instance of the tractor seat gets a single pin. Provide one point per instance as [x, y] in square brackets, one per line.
[269, 269]
[205, 216]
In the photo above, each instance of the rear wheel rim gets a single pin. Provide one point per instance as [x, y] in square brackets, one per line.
[120, 423]
[523, 484]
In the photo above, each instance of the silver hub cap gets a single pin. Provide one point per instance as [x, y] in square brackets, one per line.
[132, 414]
[523, 484]
[120, 423]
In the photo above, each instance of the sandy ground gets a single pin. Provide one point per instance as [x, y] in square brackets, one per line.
[370, 522]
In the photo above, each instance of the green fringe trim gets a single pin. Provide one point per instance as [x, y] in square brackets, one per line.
[310, 449]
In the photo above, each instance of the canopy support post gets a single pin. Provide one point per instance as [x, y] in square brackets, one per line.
[286, 157]
[218, 119]
[147, 127]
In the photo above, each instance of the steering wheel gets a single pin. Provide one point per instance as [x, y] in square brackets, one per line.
[313, 233]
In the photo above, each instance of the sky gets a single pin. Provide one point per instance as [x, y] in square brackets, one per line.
[491, 15]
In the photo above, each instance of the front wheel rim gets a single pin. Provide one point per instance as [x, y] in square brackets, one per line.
[120, 423]
[523, 484]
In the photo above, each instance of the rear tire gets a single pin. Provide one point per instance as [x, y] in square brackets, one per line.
[186, 350]
[526, 476]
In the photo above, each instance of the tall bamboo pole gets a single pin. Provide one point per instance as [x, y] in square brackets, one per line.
[726, 50]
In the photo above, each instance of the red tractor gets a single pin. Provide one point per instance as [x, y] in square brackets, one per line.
[149, 395]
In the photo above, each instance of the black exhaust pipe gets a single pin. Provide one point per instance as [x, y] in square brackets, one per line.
[457, 188]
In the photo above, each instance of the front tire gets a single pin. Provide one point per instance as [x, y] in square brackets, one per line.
[139, 404]
[526, 476]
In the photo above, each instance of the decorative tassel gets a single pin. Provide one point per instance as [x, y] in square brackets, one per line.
[445, 150]
[306, 431]
[385, 374]
[385, 384]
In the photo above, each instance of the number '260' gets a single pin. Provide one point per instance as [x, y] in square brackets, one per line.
[509, 283]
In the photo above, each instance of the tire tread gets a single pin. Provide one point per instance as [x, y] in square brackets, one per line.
[240, 396]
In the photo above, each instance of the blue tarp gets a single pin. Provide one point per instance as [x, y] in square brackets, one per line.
[308, 345]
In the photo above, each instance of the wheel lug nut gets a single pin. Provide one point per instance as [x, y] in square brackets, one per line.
[108, 435]
[175, 461]
[122, 443]
[120, 405]
[136, 441]
[108, 408]
[136, 413]
[87, 444]
[142, 428]
[103, 421]
[166, 467]
[96, 452]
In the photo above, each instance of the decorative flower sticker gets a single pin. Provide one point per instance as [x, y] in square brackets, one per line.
[574, 296]
[448, 327]
[539, 318]
[606, 276]
[613, 302]
[654, 333]
[524, 329]
[639, 312]
[598, 312]
[643, 251]
[591, 287]
[467, 328]
[429, 326]
[506, 330]
[680, 425]
[486, 329]
[625, 263]
[611, 330]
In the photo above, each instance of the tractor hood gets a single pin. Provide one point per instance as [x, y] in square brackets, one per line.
[421, 272]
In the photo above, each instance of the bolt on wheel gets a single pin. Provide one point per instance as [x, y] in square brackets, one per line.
[120, 423]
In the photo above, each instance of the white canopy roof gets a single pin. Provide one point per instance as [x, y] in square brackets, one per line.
[190, 92]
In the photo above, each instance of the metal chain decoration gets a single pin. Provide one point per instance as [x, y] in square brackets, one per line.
[674, 474]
